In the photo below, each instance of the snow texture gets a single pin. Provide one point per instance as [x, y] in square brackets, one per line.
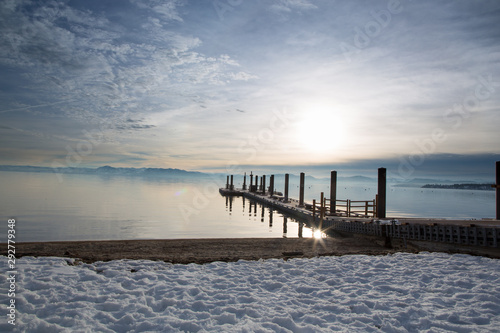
[426, 292]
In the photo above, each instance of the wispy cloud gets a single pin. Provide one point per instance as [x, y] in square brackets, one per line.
[159, 76]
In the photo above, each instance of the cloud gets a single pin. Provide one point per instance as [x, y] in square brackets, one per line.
[288, 6]
[110, 68]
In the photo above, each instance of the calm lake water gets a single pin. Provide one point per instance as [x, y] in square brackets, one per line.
[93, 207]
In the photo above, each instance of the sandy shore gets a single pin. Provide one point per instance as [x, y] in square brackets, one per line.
[202, 250]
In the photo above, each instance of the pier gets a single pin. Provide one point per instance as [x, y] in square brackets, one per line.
[368, 217]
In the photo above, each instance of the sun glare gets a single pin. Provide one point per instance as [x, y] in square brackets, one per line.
[318, 234]
[321, 130]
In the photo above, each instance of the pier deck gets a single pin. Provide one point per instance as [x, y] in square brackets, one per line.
[459, 233]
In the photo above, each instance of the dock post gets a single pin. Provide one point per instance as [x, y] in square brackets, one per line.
[322, 210]
[333, 192]
[271, 185]
[245, 181]
[301, 189]
[259, 188]
[381, 202]
[232, 186]
[286, 186]
[251, 182]
[497, 187]
[264, 185]
[314, 210]
[227, 182]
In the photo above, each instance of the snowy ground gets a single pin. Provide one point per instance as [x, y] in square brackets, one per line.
[396, 293]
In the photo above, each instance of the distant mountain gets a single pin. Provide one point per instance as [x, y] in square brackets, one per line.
[468, 186]
[105, 170]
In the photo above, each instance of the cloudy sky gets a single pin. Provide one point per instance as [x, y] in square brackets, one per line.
[204, 85]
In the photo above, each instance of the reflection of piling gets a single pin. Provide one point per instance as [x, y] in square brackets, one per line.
[264, 184]
[497, 186]
[285, 221]
[232, 186]
[381, 196]
[271, 185]
[286, 187]
[270, 218]
[301, 189]
[333, 192]
[245, 181]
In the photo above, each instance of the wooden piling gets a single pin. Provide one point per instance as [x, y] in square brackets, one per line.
[245, 181]
[286, 186]
[251, 182]
[322, 210]
[497, 192]
[382, 183]
[264, 184]
[271, 185]
[231, 186]
[227, 182]
[333, 192]
[314, 210]
[301, 189]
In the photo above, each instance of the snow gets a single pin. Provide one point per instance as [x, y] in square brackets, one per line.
[426, 292]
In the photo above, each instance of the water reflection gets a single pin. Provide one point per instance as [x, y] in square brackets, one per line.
[257, 209]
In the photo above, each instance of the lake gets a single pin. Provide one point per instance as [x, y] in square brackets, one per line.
[95, 207]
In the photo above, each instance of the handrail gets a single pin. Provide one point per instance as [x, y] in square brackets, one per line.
[367, 208]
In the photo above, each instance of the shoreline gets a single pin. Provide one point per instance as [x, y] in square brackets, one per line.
[199, 251]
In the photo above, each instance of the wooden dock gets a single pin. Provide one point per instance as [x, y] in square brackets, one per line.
[369, 217]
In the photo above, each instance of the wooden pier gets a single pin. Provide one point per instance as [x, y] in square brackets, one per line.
[332, 215]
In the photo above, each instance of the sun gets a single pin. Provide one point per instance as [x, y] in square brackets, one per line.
[321, 129]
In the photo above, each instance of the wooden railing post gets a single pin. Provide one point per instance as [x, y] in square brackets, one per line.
[348, 204]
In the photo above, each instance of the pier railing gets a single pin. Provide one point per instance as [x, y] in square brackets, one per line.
[349, 208]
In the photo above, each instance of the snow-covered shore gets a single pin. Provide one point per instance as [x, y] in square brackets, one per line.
[427, 292]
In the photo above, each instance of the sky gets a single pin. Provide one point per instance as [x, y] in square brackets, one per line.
[227, 85]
